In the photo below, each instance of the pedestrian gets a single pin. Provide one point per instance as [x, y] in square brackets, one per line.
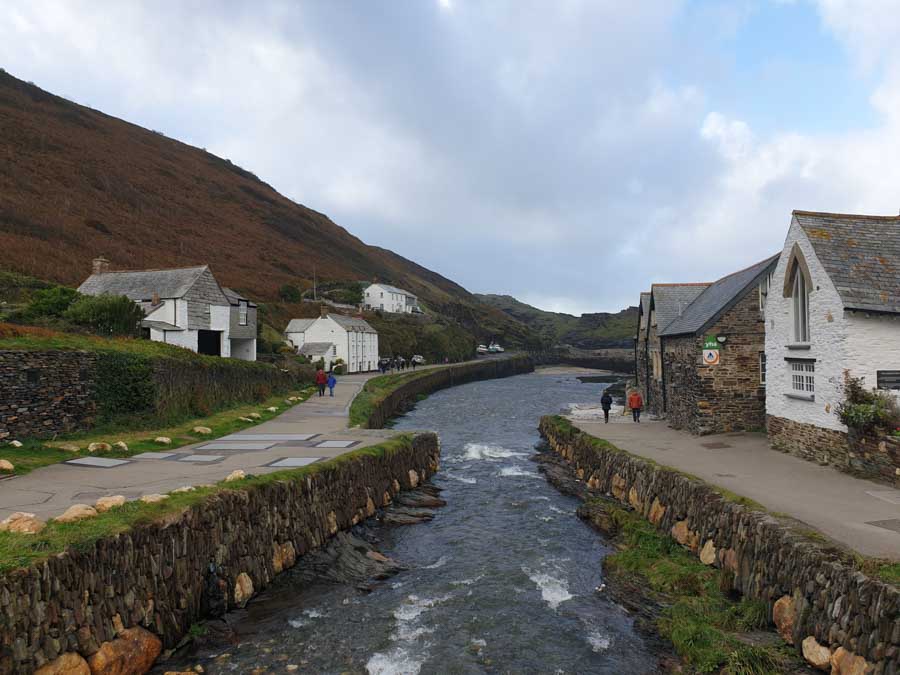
[321, 381]
[635, 402]
[332, 380]
[606, 402]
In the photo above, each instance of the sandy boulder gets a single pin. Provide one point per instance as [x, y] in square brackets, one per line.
[784, 614]
[254, 416]
[16, 444]
[237, 474]
[69, 447]
[163, 440]
[243, 589]
[99, 447]
[70, 663]
[203, 431]
[133, 652]
[23, 523]
[7, 466]
[272, 408]
[121, 445]
[153, 498]
[106, 503]
[76, 512]
[816, 655]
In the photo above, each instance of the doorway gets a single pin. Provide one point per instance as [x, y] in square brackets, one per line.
[209, 342]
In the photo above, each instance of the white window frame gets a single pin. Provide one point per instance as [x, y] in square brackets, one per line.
[800, 306]
[242, 313]
[803, 378]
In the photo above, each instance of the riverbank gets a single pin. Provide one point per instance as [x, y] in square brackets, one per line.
[822, 607]
[130, 582]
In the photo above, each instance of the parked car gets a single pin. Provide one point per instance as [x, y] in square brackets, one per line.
[418, 359]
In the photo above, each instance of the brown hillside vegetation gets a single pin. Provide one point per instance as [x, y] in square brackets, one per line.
[76, 183]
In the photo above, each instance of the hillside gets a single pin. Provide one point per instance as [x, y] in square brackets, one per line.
[76, 183]
[589, 331]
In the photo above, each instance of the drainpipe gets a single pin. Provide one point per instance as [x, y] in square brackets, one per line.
[662, 368]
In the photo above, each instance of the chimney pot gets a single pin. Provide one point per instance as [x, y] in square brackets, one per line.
[155, 299]
[323, 310]
[100, 265]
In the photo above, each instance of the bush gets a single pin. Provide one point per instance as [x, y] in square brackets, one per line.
[106, 314]
[51, 302]
[864, 410]
[289, 293]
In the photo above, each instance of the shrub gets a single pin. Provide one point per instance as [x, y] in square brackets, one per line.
[50, 302]
[289, 293]
[866, 410]
[106, 314]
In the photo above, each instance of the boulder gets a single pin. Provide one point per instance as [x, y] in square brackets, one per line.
[99, 447]
[203, 431]
[132, 653]
[163, 440]
[69, 447]
[70, 663]
[16, 444]
[657, 511]
[245, 419]
[413, 478]
[283, 556]
[844, 662]
[154, 498]
[76, 512]
[23, 523]
[634, 499]
[370, 506]
[331, 519]
[237, 474]
[107, 503]
[681, 532]
[7, 466]
[816, 655]
[243, 589]
[183, 488]
[618, 487]
[708, 553]
[783, 615]
[121, 445]
[254, 416]
[272, 409]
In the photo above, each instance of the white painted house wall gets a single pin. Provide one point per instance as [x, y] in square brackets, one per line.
[358, 350]
[220, 320]
[165, 312]
[378, 297]
[873, 344]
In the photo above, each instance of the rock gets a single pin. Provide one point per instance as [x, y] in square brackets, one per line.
[708, 553]
[783, 615]
[183, 488]
[203, 431]
[415, 498]
[283, 556]
[816, 655]
[413, 478]
[16, 444]
[132, 653]
[271, 408]
[245, 419]
[76, 512]
[106, 503]
[729, 560]
[331, 519]
[845, 662]
[657, 511]
[163, 440]
[6, 465]
[370, 506]
[69, 447]
[635, 500]
[243, 589]
[237, 474]
[154, 498]
[618, 487]
[70, 663]
[681, 532]
[254, 416]
[406, 516]
[99, 447]
[596, 513]
[23, 523]
[121, 445]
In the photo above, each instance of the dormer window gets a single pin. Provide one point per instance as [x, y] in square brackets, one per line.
[800, 303]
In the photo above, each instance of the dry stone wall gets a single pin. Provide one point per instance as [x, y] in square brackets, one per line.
[810, 592]
[164, 576]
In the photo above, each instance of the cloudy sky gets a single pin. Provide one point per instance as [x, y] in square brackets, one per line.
[566, 152]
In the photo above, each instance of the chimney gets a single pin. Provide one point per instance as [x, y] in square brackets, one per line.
[323, 310]
[100, 265]
[155, 299]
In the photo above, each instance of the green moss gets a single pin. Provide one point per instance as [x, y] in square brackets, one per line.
[20, 550]
[376, 390]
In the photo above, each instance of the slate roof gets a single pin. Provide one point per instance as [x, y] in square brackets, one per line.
[142, 284]
[353, 324]
[717, 298]
[299, 325]
[861, 255]
[234, 297]
[161, 325]
[394, 289]
[316, 348]
[670, 300]
[645, 309]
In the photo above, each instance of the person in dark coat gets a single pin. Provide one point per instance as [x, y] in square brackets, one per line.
[606, 402]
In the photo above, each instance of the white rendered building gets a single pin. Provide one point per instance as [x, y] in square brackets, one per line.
[333, 337]
[390, 299]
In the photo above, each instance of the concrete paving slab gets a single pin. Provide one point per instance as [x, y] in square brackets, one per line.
[97, 462]
[231, 445]
[201, 458]
[335, 444]
[242, 437]
[154, 455]
[293, 462]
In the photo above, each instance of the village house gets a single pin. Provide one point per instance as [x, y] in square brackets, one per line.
[185, 307]
[664, 304]
[713, 353]
[335, 336]
[390, 299]
[833, 309]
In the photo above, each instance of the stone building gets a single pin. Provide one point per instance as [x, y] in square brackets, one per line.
[666, 303]
[833, 309]
[713, 369]
[641, 363]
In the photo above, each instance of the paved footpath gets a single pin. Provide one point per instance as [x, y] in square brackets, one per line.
[860, 514]
[312, 430]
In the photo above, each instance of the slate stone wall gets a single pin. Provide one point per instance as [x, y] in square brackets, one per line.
[43, 393]
[761, 558]
[441, 378]
[705, 399]
[155, 575]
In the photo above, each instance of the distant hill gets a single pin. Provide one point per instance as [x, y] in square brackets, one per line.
[76, 183]
[589, 331]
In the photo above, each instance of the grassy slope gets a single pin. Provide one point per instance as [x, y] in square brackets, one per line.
[76, 183]
[376, 390]
[589, 331]
[19, 550]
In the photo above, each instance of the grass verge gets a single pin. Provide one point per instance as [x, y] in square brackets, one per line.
[698, 618]
[19, 550]
[376, 390]
[37, 453]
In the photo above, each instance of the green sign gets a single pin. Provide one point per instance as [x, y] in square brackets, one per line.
[710, 342]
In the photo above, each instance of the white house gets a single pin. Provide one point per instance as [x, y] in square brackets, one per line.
[390, 299]
[185, 307]
[833, 306]
[333, 337]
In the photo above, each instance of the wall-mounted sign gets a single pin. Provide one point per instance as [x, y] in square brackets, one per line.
[710, 342]
[710, 350]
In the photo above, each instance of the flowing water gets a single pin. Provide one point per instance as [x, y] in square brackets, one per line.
[503, 580]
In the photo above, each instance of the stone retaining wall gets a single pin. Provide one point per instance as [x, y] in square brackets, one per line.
[156, 578]
[441, 378]
[811, 592]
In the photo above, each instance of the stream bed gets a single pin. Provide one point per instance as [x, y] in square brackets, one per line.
[504, 579]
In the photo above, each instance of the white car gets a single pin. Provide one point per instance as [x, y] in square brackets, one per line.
[481, 349]
[418, 359]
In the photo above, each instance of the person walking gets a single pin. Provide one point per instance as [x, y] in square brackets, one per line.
[606, 402]
[635, 402]
[332, 380]
[321, 381]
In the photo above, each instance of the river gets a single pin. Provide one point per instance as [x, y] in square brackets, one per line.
[503, 580]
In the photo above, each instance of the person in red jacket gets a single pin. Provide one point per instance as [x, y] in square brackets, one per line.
[321, 381]
[635, 402]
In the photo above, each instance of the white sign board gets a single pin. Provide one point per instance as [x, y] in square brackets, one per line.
[711, 357]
